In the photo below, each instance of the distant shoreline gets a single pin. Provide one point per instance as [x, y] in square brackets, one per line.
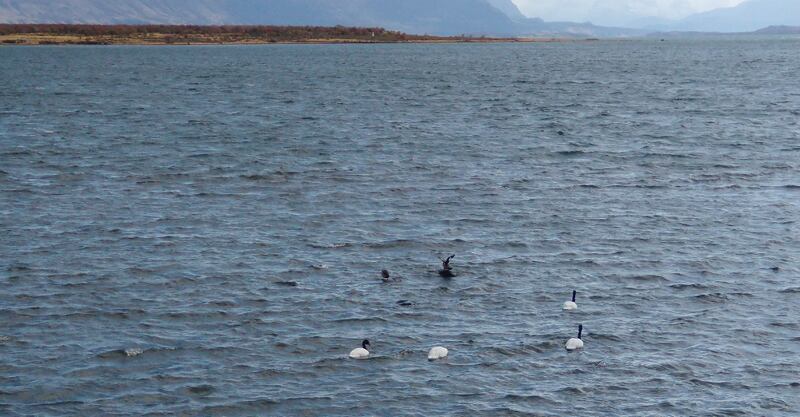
[162, 35]
[6, 40]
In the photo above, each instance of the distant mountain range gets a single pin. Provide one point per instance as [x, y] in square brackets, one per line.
[749, 16]
[435, 17]
[779, 30]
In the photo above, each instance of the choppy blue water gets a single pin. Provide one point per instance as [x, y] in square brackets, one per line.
[201, 230]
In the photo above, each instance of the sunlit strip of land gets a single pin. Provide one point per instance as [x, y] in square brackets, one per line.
[61, 34]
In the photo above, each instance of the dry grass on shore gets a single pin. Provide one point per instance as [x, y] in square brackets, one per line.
[35, 34]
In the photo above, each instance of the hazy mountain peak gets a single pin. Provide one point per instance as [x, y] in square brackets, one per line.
[748, 16]
[508, 8]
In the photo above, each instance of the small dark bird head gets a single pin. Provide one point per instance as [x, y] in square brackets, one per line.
[385, 274]
[446, 262]
[365, 343]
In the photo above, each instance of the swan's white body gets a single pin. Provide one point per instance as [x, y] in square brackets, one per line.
[359, 353]
[437, 352]
[574, 343]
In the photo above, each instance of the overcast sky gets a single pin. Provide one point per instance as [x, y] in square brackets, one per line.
[607, 11]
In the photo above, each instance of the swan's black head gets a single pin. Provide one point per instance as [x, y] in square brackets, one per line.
[365, 343]
[574, 293]
[580, 330]
[446, 262]
[385, 274]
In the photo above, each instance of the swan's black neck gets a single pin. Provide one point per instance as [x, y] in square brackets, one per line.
[580, 330]
[365, 343]
[574, 293]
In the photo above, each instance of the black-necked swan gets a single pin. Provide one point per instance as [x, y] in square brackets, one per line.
[576, 342]
[437, 352]
[362, 352]
[570, 305]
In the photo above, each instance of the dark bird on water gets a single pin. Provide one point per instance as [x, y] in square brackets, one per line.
[447, 270]
[385, 277]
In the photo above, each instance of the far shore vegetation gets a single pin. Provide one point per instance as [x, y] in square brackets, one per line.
[63, 34]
